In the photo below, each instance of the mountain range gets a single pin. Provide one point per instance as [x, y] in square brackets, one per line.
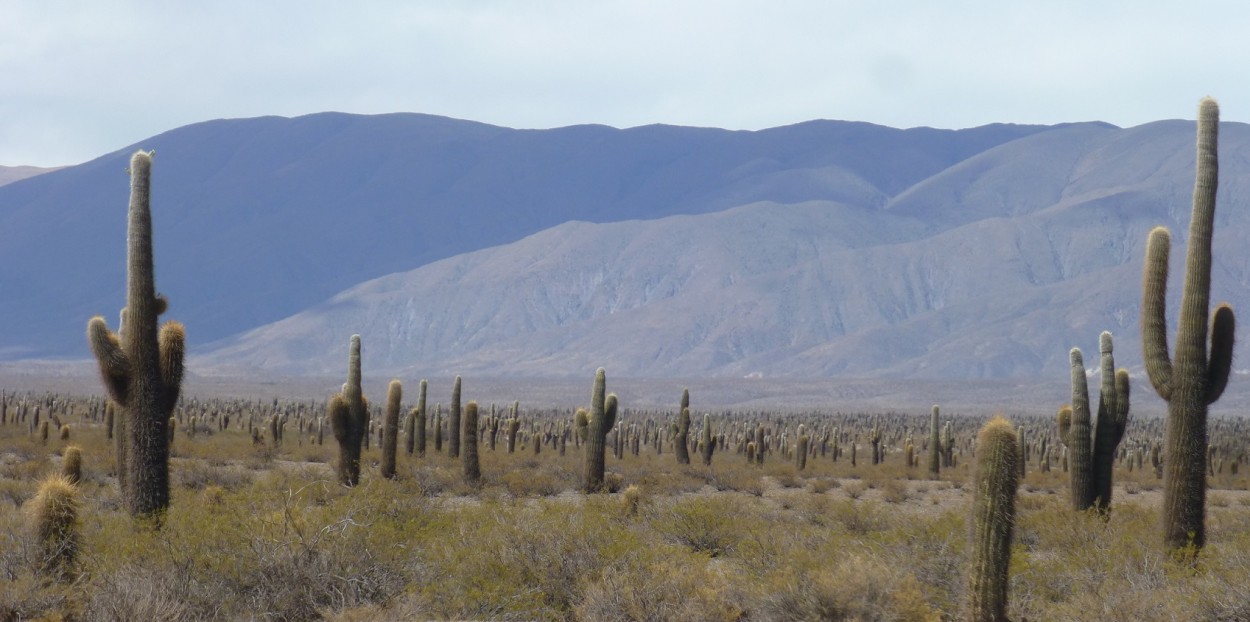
[822, 249]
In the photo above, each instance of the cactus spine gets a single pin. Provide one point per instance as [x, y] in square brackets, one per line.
[453, 422]
[1189, 381]
[349, 415]
[993, 517]
[472, 469]
[600, 421]
[141, 369]
[390, 428]
[935, 458]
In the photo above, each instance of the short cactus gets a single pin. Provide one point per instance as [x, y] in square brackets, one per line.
[468, 455]
[53, 516]
[453, 422]
[681, 437]
[935, 441]
[601, 420]
[993, 518]
[707, 444]
[390, 428]
[71, 466]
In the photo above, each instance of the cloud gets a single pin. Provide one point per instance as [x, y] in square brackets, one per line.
[81, 80]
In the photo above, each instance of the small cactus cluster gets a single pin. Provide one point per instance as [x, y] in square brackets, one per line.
[1091, 459]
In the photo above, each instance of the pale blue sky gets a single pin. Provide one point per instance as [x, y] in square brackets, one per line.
[79, 79]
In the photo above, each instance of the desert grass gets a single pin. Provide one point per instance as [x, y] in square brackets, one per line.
[264, 532]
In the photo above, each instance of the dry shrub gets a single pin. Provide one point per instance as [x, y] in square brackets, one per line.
[670, 588]
[895, 491]
[135, 593]
[853, 587]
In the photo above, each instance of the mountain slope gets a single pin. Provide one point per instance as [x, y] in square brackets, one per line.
[256, 219]
[950, 280]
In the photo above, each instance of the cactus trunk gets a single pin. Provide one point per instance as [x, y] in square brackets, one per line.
[472, 469]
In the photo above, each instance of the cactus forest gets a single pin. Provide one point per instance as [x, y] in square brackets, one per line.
[136, 500]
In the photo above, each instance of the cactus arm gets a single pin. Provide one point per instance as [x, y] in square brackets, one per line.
[114, 366]
[338, 414]
[1106, 390]
[1223, 325]
[1080, 445]
[173, 344]
[1191, 336]
[1122, 389]
[1064, 419]
[609, 412]
[1154, 327]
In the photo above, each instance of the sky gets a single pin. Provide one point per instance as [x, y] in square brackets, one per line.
[81, 79]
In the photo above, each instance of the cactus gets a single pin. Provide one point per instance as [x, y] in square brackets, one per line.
[1190, 381]
[602, 418]
[141, 368]
[348, 412]
[681, 437]
[472, 469]
[1091, 461]
[935, 459]
[709, 446]
[993, 517]
[800, 450]
[416, 424]
[514, 426]
[390, 428]
[453, 422]
[53, 516]
[71, 467]
[874, 437]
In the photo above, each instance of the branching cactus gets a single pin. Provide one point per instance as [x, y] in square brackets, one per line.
[390, 428]
[1192, 378]
[708, 445]
[141, 366]
[601, 419]
[993, 518]
[935, 457]
[472, 468]
[453, 422]
[681, 437]
[348, 413]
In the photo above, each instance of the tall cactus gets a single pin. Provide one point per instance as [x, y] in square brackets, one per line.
[993, 517]
[390, 428]
[935, 457]
[600, 421]
[453, 422]
[141, 368]
[348, 412]
[1191, 380]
